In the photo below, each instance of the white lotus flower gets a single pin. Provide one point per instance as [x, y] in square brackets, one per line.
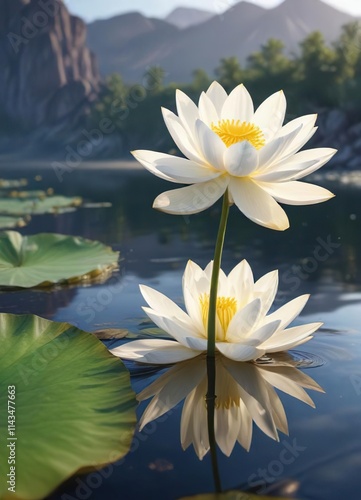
[245, 393]
[229, 145]
[244, 331]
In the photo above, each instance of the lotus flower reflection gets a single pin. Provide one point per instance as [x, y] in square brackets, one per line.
[229, 145]
[245, 393]
[244, 329]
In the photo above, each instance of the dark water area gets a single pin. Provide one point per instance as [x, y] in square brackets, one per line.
[320, 255]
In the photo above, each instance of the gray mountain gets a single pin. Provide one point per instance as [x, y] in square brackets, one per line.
[241, 30]
[129, 43]
[184, 17]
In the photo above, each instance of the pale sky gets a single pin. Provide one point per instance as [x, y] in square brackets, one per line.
[100, 9]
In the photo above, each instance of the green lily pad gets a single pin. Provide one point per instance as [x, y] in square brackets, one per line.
[12, 183]
[10, 222]
[70, 399]
[24, 194]
[51, 204]
[45, 259]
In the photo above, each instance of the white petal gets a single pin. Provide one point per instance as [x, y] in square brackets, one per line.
[180, 331]
[148, 159]
[207, 111]
[239, 352]
[308, 129]
[307, 122]
[266, 288]
[162, 304]
[181, 137]
[227, 428]
[187, 112]
[197, 344]
[191, 294]
[284, 338]
[287, 313]
[265, 332]
[297, 193]
[238, 106]
[241, 159]
[218, 96]
[185, 171]
[241, 282]
[246, 428]
[288, 386]
[278, 412]
[255, 394]
[169, 389]
[298, 165]
[271, 114]
[211, 145]
[194, 429]
[192, 199]
[258, 205]
[244, 321]
[154, 351]
[275, 150]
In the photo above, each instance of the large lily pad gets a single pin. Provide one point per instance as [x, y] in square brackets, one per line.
[73, 404]
[45, 259]
[51, 204]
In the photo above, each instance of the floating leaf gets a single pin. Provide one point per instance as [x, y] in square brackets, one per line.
[45, 259]
[24, 194]
[111, 333]
[12, 183]
[73, 404]
[52, 204]
[10, 222]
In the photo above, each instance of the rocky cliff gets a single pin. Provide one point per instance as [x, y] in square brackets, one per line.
[48, 75]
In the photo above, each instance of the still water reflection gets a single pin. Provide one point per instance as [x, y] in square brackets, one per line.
[320, 255]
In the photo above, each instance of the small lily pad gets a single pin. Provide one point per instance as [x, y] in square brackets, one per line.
[24, 194]
[12, 183]
[70, 402]
[10, 222]
[111, 333]
[51, 204]
[45, 259]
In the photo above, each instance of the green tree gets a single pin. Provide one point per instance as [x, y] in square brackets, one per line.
[154, 79]
[229, 73]
[270, 60]
[317, 71]
[201, 80]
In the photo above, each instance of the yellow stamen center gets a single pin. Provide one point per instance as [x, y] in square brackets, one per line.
[226, 308]
[231, 132]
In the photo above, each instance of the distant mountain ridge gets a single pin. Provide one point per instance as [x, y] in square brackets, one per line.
[130, 43]
[184, 17]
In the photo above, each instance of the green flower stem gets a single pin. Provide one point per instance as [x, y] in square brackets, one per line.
[212, 313]
[211, 347]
